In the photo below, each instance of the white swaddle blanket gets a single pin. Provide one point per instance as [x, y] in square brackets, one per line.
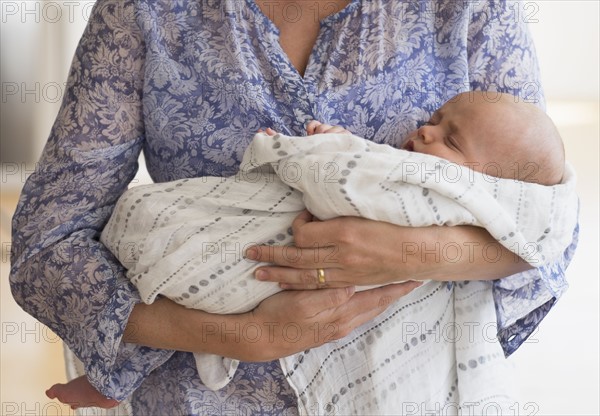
[185, 239]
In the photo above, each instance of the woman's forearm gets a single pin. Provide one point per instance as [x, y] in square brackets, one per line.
[458, 253]
[260, 335]
[167, 325]
[362, 252]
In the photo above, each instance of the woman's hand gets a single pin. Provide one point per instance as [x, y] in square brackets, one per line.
[358, 251]
[351, 250]
[283, 324]
[293, 321]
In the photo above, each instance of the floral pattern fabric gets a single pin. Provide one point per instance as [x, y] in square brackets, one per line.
[189, 82]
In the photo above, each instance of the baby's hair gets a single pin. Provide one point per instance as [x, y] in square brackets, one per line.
[542, 159]
[530, 148]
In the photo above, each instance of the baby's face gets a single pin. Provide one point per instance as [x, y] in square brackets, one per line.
[470, 129]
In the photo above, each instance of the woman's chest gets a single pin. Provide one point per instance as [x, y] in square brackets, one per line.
[212, 81]
[299, 25]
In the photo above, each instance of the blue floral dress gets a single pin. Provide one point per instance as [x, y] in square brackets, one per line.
[189, 82]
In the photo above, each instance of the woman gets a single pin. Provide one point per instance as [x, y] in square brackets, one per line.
[189, 82]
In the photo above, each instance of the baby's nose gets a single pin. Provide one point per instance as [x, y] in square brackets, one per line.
[428, 133]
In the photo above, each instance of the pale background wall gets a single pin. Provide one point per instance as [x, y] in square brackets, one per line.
[558, 368]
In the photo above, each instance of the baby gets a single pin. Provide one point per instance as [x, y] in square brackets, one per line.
[495, 134]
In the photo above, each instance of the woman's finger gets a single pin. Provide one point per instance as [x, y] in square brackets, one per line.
[310, 232]
[291, 256]
[310, 250]
[381, 297]
[361, 308]
[366, 305]
[301, 279]
[328, 299]
[302, 219]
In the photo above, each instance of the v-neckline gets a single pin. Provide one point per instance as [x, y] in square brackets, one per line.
[274, 30]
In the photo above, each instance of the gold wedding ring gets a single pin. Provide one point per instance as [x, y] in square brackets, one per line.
[321, 276]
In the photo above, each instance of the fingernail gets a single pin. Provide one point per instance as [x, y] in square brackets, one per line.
[260, 275]
[350, 290]
[251, 253]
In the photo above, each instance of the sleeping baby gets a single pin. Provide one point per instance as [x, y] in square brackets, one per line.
[497, 164]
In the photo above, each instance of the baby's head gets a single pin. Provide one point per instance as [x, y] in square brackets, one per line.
[494, 133]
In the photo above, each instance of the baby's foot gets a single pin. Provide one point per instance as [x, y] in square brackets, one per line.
[80, 393]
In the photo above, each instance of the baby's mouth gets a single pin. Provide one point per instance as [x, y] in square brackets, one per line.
[409, 145]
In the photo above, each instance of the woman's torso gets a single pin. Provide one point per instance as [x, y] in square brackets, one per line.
[215, 73]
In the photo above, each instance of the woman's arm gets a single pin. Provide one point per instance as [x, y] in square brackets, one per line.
[261, 335]
[502, 55]
[461, 253]
[358, 251]
[60, 272]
